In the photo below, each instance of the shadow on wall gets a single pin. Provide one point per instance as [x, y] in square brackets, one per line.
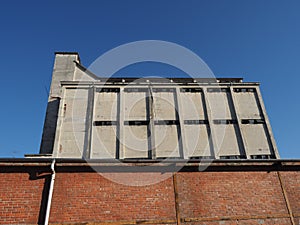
[49, 129]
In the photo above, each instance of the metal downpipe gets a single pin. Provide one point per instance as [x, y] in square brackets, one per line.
[50, 193]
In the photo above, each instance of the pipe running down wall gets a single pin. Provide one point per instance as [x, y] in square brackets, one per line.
[49, 200]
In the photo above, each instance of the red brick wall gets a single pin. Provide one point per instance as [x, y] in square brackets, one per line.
[280, 221]
[89, 197]
[203, 198]
[291, 182]
[220, 194]
[20, 198]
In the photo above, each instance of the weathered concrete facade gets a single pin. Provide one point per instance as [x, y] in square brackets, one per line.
[149, 118]
[153, 118]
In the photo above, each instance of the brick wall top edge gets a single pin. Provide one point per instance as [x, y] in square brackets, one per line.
[36, 159]
[67, 165]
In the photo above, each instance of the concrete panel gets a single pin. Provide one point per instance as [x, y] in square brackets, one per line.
[104, 142]
[163, 106]
[226, 140]
[197, 140]
[135, 142]
[73, 127]
[166, 141]
[106, 106]
[75, 104]
[75, 108]
[72, 93]
[135, 105]
[192, 105]
[71, 144]
[219, 105]
[255, 139]
[247, 107]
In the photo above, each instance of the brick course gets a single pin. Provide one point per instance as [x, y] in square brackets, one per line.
[220, 194]
[20, 198]
[291, 182]
[89, 197]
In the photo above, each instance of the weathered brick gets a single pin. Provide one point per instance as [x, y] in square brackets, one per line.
[219, 197]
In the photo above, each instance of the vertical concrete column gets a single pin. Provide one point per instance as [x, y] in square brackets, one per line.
[150, 115]
[182, 140]
[268, 125]
[120, 148]
[212, 136]
[89, 123]
[64, 70]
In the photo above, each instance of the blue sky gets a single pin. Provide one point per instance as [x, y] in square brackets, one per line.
[258, 40]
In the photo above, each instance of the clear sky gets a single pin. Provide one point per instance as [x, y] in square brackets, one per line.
[255, 39]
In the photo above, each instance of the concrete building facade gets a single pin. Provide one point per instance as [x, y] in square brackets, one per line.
[153, 118]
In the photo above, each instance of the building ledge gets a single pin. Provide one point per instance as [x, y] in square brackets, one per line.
[97, 165]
